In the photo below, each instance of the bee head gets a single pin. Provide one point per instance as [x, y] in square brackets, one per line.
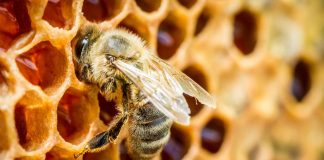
[82, 45]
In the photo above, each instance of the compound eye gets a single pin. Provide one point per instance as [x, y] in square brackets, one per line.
[80, 46]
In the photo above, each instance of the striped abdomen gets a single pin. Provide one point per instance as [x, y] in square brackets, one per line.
[149, 131]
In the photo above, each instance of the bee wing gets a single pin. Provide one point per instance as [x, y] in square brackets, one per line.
[188, 86]
[158, 88]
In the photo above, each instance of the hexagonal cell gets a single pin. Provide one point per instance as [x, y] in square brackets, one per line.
[171, 33]
[301, 82]
[58, 13]
[108, 109]
[148, 5]
[57, 153]
[43, 65]
[15, 15]
[100, 10]
[187, 3]
[245, 31]
[73, 105]
[178, 145]
[202, 21]
[136, 26]
[4, 134]
[195, 74]
[33, 125]
[213, 135]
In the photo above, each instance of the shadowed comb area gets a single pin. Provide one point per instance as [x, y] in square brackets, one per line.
[262, 60]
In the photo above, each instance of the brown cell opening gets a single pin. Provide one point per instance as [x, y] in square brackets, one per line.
[148, 5]
[133, 25]
[15, 15]
[170, 37]
[178, 145]
[195, 74]
[123, 153]
[213, 135]
[245, 31]
[43, 65]
[100, 10]
[202, 22]
[187, 3]
[59, 13]
[73, 105]
[33, 125]
[301, 82]
[108, 109]
[4, 134]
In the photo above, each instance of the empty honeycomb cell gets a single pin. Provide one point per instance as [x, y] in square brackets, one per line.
[4, 134]
[108, 109]
[131, 23]
[187, 3]
[43, 65]
[100, 10]
[213, 135]
[202, 21]
[245, 31]
[171, 33]
[14, 14]
[33, 125]
[195, 74]
[73, 105]
[148, 5]
[178, 145]
[301, 80]
[58, 13]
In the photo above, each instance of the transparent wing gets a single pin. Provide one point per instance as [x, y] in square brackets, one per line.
[161, 89]
[188, 86]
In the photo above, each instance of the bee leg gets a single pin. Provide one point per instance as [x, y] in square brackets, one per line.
[101, 140]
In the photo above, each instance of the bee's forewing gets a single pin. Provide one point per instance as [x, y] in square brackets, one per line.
[158, 91]
[188, 86]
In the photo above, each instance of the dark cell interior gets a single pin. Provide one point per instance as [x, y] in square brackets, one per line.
[196, 75]
[187, 3]
[123, 151]
[212, 135]
[245, 31]
[15, 15]
[20, 120]
[177, 146]
[170, 37]
[100, 10]
[108, 109]
[148, 5]
[202, 22]
[131, 24]
[301, 82]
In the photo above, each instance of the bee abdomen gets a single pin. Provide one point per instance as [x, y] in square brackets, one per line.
[149, 131]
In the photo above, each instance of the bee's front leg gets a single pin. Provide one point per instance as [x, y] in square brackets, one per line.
[100, 141]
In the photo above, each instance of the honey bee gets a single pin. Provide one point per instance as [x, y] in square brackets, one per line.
[148, 91]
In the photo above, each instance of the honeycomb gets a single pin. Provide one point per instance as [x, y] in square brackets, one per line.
[263, 61]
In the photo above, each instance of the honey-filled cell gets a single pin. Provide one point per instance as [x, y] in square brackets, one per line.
[14, 15]
[43, 65]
